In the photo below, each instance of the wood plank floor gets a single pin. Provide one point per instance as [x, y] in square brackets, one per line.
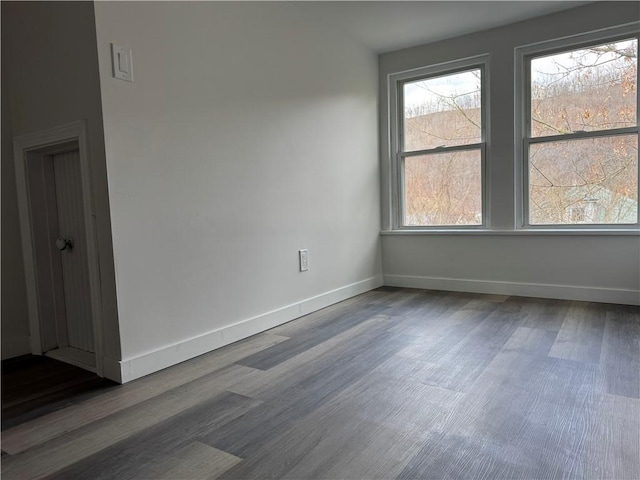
[394, 383]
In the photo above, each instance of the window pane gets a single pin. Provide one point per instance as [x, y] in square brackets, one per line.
[443, 189]
[589, 181]
[588, 89]
[442, 111]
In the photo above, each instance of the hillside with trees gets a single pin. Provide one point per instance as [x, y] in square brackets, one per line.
[577, 181]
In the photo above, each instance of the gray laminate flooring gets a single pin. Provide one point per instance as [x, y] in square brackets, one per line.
[394, 383]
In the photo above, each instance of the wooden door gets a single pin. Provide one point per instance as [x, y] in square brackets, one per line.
[72, 249]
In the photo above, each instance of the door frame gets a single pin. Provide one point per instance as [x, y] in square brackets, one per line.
[36, 143]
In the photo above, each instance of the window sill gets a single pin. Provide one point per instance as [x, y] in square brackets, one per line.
[522, 232]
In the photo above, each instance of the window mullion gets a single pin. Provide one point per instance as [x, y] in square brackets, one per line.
[453, 148]
[583, 135]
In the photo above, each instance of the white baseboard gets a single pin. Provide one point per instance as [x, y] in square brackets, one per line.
[15, 346]
[141, 365]
[562, 292]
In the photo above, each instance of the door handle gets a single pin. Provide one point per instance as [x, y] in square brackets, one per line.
[64, 243]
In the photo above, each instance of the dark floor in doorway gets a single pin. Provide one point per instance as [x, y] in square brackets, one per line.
[34, 385]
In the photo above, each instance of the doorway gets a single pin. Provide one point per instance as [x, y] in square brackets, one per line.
[58, 245]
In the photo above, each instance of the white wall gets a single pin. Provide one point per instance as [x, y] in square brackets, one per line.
[50, 78]
[597, 267]
[249, 132]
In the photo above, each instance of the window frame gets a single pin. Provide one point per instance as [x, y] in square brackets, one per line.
[523, 139]
[397, 155]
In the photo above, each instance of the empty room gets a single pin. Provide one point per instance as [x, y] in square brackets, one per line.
[320, 240]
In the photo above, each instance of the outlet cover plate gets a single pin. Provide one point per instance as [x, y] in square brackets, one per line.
[304, 260]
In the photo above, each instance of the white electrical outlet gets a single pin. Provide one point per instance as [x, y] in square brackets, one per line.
[304, 260]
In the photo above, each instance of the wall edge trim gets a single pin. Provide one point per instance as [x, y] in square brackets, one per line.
[111, 369]
[561, 292]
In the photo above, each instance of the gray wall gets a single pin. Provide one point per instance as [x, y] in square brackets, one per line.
[249, 132]
[588, 267]
[15, 323]
[49, 78]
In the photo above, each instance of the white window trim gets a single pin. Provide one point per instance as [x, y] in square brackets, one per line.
[522, 124]
[396, 156]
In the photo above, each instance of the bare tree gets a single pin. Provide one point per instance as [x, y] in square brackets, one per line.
[579, 181]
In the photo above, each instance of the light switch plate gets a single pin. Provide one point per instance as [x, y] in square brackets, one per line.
[122, 64]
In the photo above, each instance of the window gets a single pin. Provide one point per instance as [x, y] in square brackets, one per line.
[580, 134]
[438, 138]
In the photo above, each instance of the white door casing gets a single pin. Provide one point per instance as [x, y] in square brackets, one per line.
[28, 148]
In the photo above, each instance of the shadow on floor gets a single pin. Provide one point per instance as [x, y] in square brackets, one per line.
[33, 386]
